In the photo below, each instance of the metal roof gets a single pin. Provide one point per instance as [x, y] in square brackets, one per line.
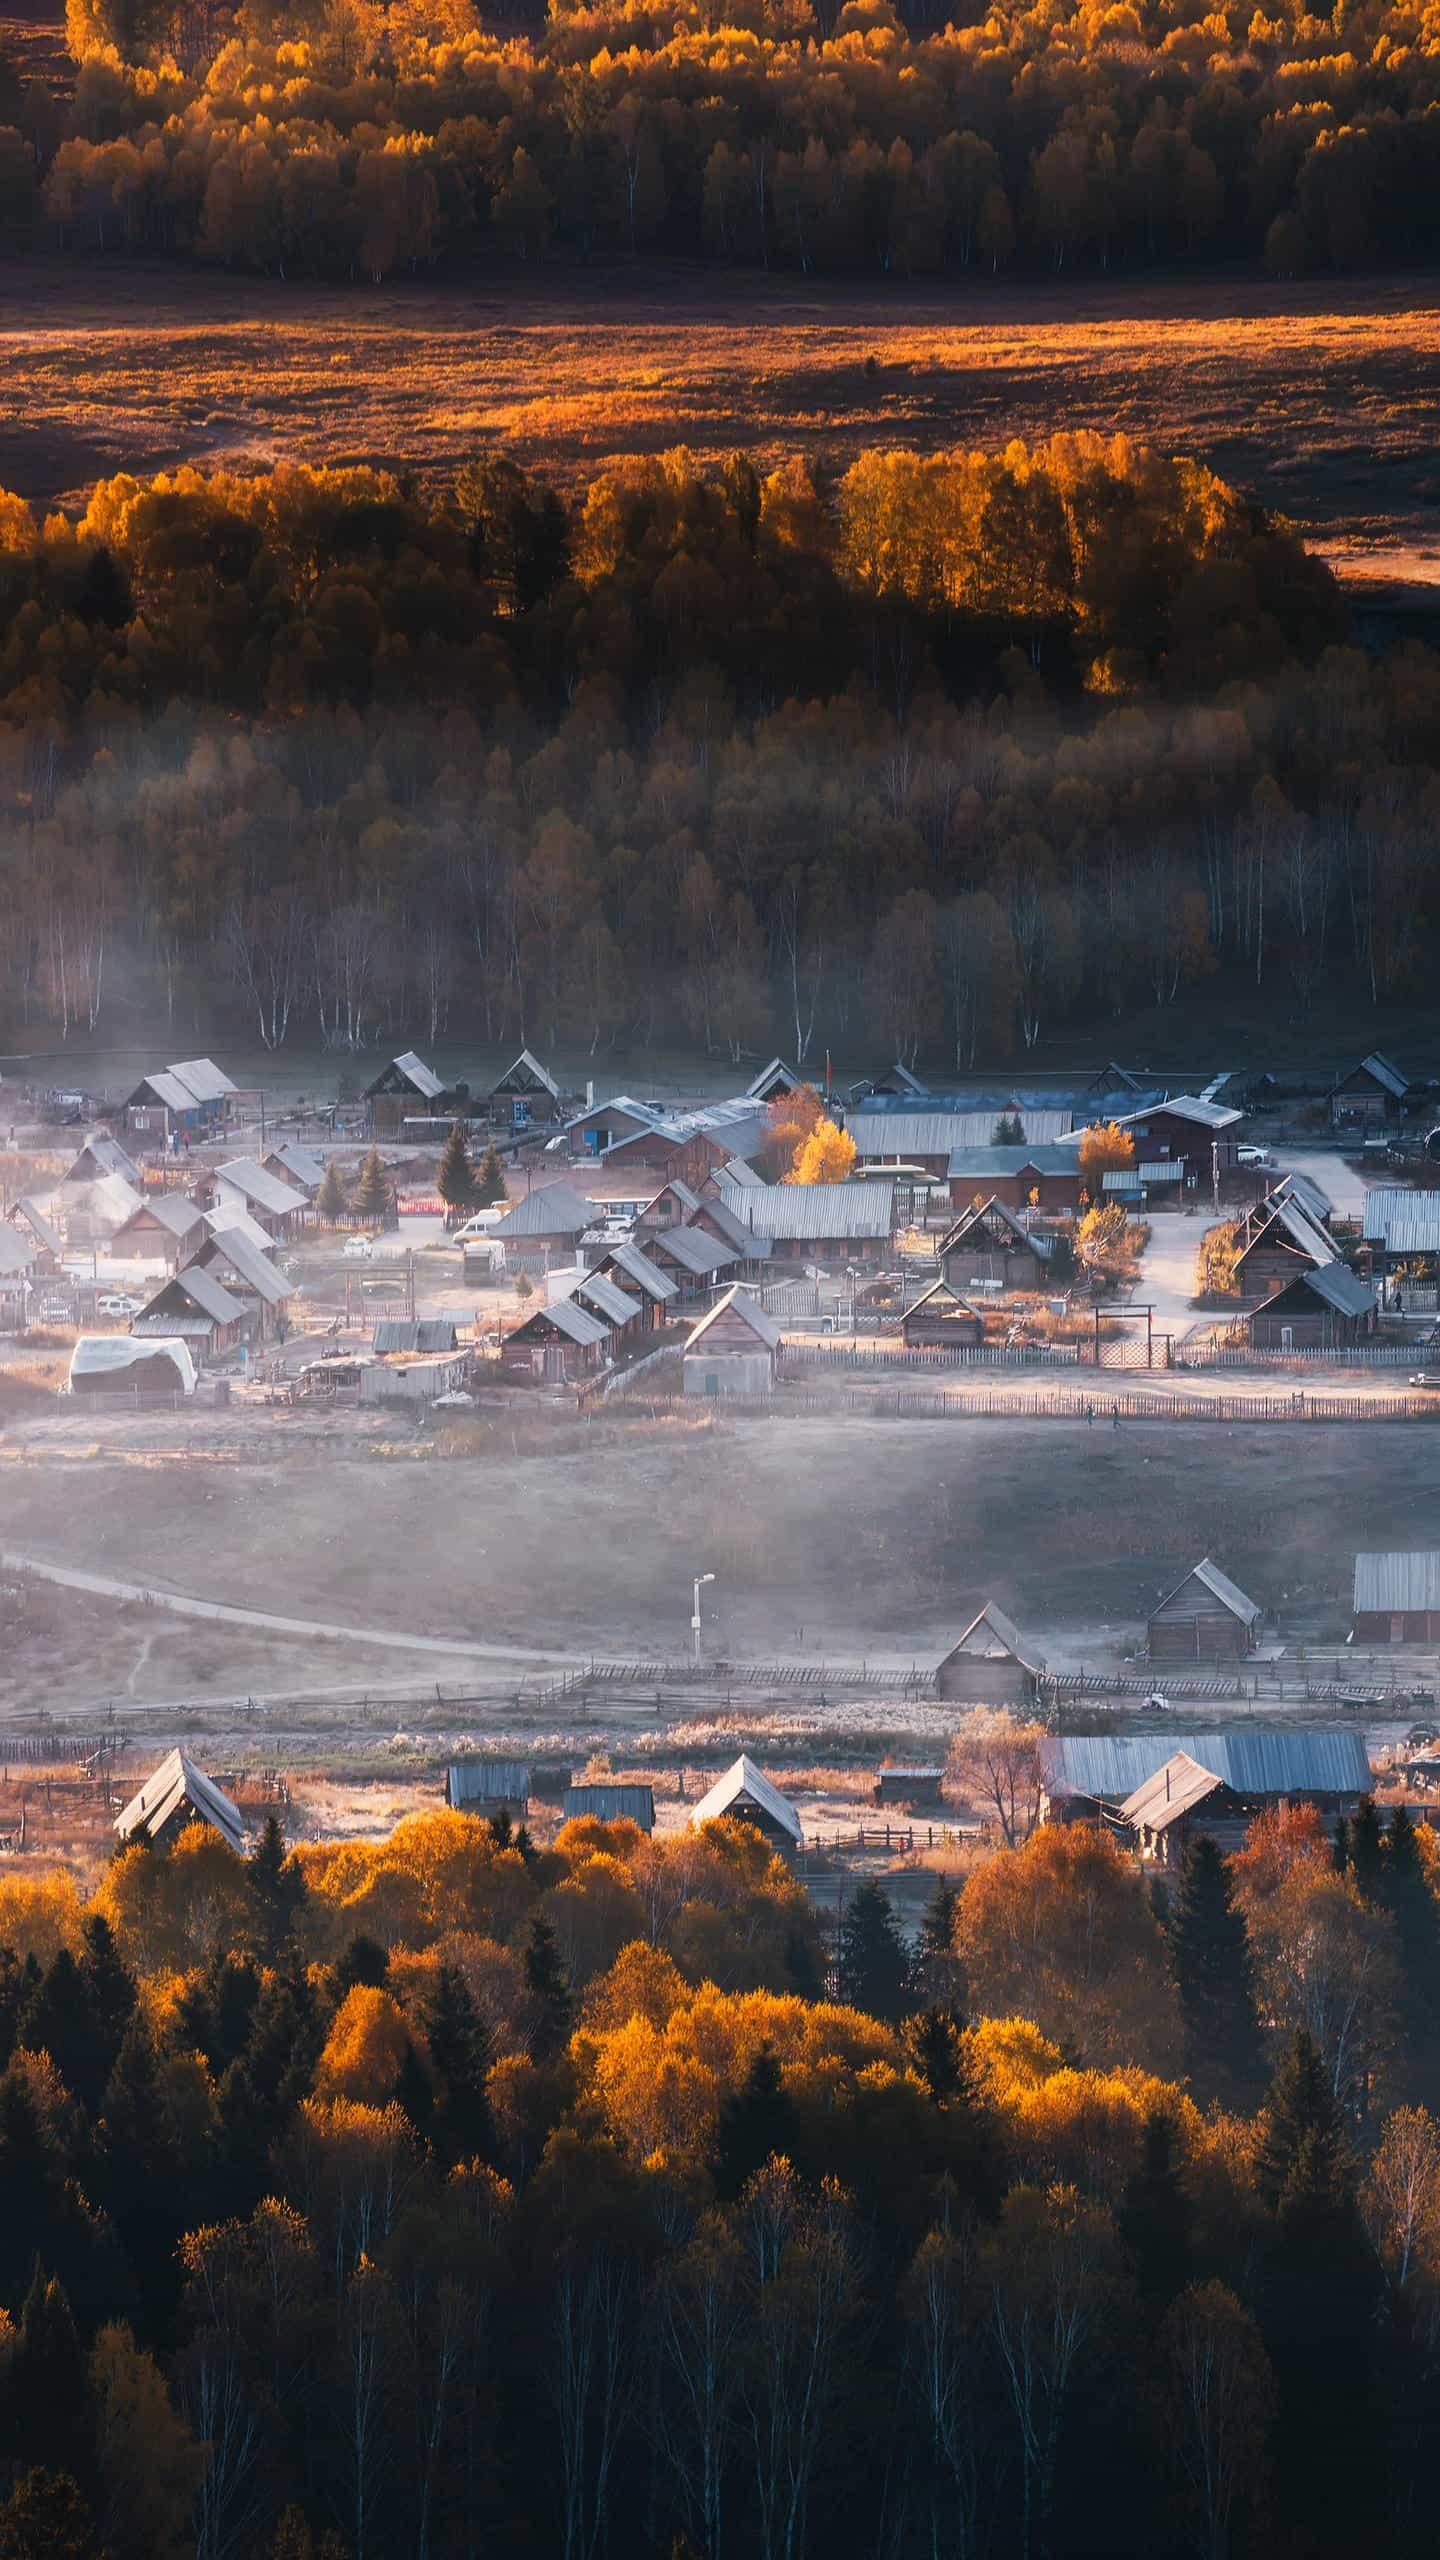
[1316, 1203]
[488, 1781]
[1038, 1241]
[737, 1170]
[998, 1639]
[203, 1078]
[1221, 1588]
[576, 1323]
[299, 1163]
[168, 1787]
[743, 1783]
[638, 1267]
[429, 1334]
[816, 1211]
[944, 1133]
[1297, 1225]
[1402, 1221]
[675, 1189]
[606, 1299]
[777, 1074]
[202, 1289]
[1253, 1761]
[943, 1288]
[526, 1075]
[617, 1803]
[978, 1162]
[692, 1248]
[41, 1225]
[1175, 1788]
[1333, 1282]
[1165, 1169]
[252, 1270]
[1187, 1106]
[1382, 1072]
[732, 1229]
[244, 1175]
[740, 1302]
[558, 1210]
[100, 1156]
[164, 1087]
[235, 1221]
[1397, 1581]
[170, 1209]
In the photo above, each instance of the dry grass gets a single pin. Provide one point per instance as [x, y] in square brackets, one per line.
[1311, 395]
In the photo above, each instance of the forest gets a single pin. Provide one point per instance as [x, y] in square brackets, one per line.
[340, 137]
[931, 758]
[451, 2195]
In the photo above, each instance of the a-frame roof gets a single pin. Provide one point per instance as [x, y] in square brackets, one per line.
[743, 1783]
[996, 1638]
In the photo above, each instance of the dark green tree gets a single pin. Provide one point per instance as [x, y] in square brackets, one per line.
[144, 2168]
[551, 2006]
[1210, 1958]
[363, 1961]
[756, 2122]
[1340, 1845]
[413, 2091]
[874, 1968]
[490, 1186]
[373, 1190]
[933, 2042]
[47, 2403]
[1367, 1850]
[1155, 2216]
[277, 1886]
[332, 1200]
[109, 1984]
[939, 1973]
[455, 1179]
[1302, 2117]
[517, 528]
[464, 2127]
[59, 2019]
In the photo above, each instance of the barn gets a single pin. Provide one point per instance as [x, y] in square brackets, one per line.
[544, 1228]
[745, 1794]
[1166, 1811]
[1397, 1598]
[1206, 1618]
[1322, 1310]
[555, 1345]
[989, 1242]
[991, 1665]
[488, 1787]
[940, 1319]
[173, 1796]
[734, 1350]
[616, 1800]
[1370, 1095]
[1325, 1765]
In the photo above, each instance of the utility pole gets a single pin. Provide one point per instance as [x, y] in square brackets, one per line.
[700, 1580]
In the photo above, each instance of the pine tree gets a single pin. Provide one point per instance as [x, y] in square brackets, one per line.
[1367, 1850]
[145, 2183]
[46, 2399]
[756, 2122]
[464, 2127]
[939, 1973]
[490, 1186]
[372, 1192]
[1155, 2216]
[1210, 1958]
[874, 1968]
[1302, 2116]
[933, 2040]
[332, 1200]
[59, 2019]
[277, 1884]
[109, 1983]
[32, 2203]
[1321, 2290]
[455, 1180]
[502, 1829]
[413, 2091]
[365, 1962]
[550, 2000]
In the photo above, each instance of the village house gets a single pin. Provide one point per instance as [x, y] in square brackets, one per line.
[173, 1796]
[745, 1794]
[1401, 1227]
[772, 1081]
[165, 1229]
[611, 1800]
[193, 1308]
[1370, 1096]
[555, 1345]
[624, 1314]
[247, 1274]
[1020, 1177]
[991, 1243]
[991, 1665]
[299, 1166]
[30, 1219]
[734, 1350]
[244, 1187]
[1397, 1597]
[1087, 1777]
[941, 1319]
[1325, 1310]
[115, 1364]
[1206, 1618]
[928, 1138]
[191, 1099]
[94, 1212]
[406, 1089]
[543, 1228]
[526, 1096]
[846, 1223]
[99, 1159]
[634, 1272]
[691, 1258]
[1277, 1241]
[489, 1787]
[1190, 1129]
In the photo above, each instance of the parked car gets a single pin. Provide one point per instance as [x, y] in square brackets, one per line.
[1425, 1377]
[116, 1303]
[56, 1311]
[356, 1249]
[1257, 1159]
[1158, 1703]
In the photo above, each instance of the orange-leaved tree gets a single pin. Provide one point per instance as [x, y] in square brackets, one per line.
[1104, 1148]
[827, 1155]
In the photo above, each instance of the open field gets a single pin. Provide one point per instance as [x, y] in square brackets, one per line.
[1315, 396]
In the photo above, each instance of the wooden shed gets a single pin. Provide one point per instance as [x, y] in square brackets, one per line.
[903, 1784]
[989, 1242]
[555, 1345]
[175, 1795]
[991, 1665]
[488, 1787]
[1321, 1310]
[1278, 1240]
[1206, 1618]
[1370, 1095]
[1167, 1810]
[734, 1350]
[193, 1307]
[745, 1794]
[942, 1320]
[614, 1800]
[1397, 1597]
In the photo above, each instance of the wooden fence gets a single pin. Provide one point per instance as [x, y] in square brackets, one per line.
[1126, 1404]
[895, 1355]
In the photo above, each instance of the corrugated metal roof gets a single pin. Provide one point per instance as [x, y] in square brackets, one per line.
[203, 1290]
[1305, 1760]
[98, 1157]
[1402, 1221]
[576, 1323]
[638, 1267]
[742, 1303]
[415, 1072]
[610, 1804]
[488, 1781]
[693, 1249]
[945, 1133]
[1397, 1580]
[994, 1638]
[266, 1190]
[526, 1075]
[252, 1269]
[982, 1212]
[1335, 1284]
[943, 1288]
[1175, 1788]
[776, 1078]
[177, 1778]
[558, 1210]
[1221, 1588]
[744, 1783]
[1187, 1106]
[1165, 1169]
[298, 1162]
[817, 1211]
[164, 1087]
[680, 1192]
[237, 1222]
[599, 1291]
[41, 1225]
[171, 1210]
[979, 1163]
[1298, 1186]
[737, 1170]
[1382, 1072]
[428, 1334]
[203, 1078]
[731, 1229]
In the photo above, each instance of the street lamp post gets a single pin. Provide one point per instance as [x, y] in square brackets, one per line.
[700, 1580]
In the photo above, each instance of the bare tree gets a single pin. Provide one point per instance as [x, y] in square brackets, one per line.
[1218, 2397]
[996, 1759]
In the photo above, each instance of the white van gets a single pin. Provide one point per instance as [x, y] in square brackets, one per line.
[483, 1223]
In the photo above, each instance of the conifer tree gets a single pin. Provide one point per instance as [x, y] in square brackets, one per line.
[874, 1968]
[1155, 2216]
[939, 1972]
[109, 1983]
[46, 2401]
[455, 1180]
[413, 2091]
[490, 1185]
[464, 2128]
[933, 2041]
[372, 1191]
[550, 2001]
[1210, 1959]
[363, 1961]
[58, 2018]
[756, 2122]
[1302, 2117]
[1367, 1850]
[332, 1200]
[277, 1884]
[1340, 1845]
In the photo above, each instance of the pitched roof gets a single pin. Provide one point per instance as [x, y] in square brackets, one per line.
[1221, 1588]
[776, 1078]
[678, 1191]
[1291, 1219]
[1316, 1203]
[557, 1210]
[170, 1209]
[266, 1190]
[1173, 1789]
[982, 1163]
[429, 1334]
[945, 1133]
[526, 1075]
[203, 1291]
[412, 1071]
[637, 1266]
[743, 1783]
[1335, 1283]
[41, 1225]
[744, 1304]
[101, 1155]
[817, 1211]
[236, 1222]
[1397, 1581]
[996, 1638]
[177, 1779]
[163, 1087]
[298, 1162]
[731, 1229]
[943, 1288]
[737, 1170]
[253, 1270]
[203, 1078]
[1383, 1072]
[692, 1248]
[601, 1293]
[1187, 1106]
[1251, 1760]
[1038, 1242]
[576, 1323]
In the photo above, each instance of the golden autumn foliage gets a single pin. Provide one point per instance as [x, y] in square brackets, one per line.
[149, 2462]
[1059, 1932]
[827, 1155]
[659, 2086]
[365, 2047]
[39, 1915]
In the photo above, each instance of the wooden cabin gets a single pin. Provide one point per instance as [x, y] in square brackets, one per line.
[555, 1345]
[1397, 1597]
[989, 1242]
[1206, 1618]
[526, 1096]
[942, 1320]
[1278, 1241]
[991, 1665]
[173, 1796]
[1324, 1310]
[745, 1794]
[1370, 1096]
[917, 1789]
[735, 1350]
